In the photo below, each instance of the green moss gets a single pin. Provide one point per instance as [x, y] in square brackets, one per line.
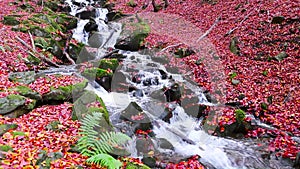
[107, 64]
[240, 115]
[18, 133]
[92, 73]
[136, 166]
[31, 105]
[11, 20]
[6, 148]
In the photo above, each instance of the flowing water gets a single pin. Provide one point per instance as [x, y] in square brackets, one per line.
[182, 131]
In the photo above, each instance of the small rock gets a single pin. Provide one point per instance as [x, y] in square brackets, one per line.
[277, 19]
[173, 93]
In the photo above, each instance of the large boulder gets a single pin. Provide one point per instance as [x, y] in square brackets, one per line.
[88, 103]
[65, 93]
[22, 77]
[133, 35]
[15, 105]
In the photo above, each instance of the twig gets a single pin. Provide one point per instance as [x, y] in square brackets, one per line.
[66, 53]
[40, 54]
[68, 57]
[171, 46]
[32, 41]
[245, 18]
[210, 29]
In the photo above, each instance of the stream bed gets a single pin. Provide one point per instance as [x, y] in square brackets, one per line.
[145, 85]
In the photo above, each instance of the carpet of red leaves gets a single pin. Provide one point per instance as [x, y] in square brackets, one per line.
[257, 37]
[260, 75]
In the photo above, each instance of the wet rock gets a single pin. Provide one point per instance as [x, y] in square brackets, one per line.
[138, 93]
[7, 127]
[149, 161]
[165, 144]
[22, 77]
[138, 78]
[132, 36]
[166, 115]
[86, 54]
[144, 146]
[118, 56]
[105, 82]
[277, 19]
[135, 114]
[173, 93]
[163, 74]
[90, 12]
[97, 39]
[158, 95]
[150, 81]
[91, 26]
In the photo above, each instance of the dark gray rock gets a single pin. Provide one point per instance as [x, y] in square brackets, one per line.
[173, 93]
[136, 116]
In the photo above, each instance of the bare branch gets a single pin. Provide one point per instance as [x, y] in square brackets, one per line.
[32, 41]
[44, 58]
[171, 46]
[210, 29]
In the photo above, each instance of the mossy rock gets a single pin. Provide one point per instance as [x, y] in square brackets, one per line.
[75, 49]
[22, 77]
[7, 127]
[133, 35]
[240, 115]
[27, 92]
[53, 4]
[95, 73]
[64, 93]
[111, 64]
[136, 166]
[81, 107]
[11, 20]
[11, 103]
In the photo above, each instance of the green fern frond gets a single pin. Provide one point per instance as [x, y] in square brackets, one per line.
[105, 160]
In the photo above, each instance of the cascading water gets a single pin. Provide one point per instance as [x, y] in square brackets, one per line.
[182, 131]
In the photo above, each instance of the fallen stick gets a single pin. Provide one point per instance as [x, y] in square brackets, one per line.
[44, 58]
[32, 41]
[66, 53]
[210, 29]
[245, 18]
[171, 46]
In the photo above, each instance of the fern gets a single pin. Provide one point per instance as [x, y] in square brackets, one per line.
[95, 145]
[105, 160]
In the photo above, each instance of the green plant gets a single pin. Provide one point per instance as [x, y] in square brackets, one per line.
[131, 3]
[240, 115]
[95, 145]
